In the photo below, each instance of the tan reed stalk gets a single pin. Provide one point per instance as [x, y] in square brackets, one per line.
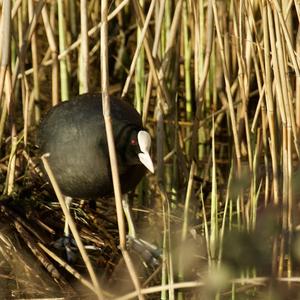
[279, 98]
[54, 58]
[36, 84]
[270, 105]
[64, 76]
[166, 209]
[25, 41]
[153, 63]
[72, 16]
[15, 8]
[67, 267]
[214, 228]
[291, 131]
[297, 84]
[21, 17]
[19, 64]
[228, 92]
[185, 223]
[138, 49]
[287, 39]
[140, 68]
[75, 45]
[242, 118]
[187, 65]
[167, 256]
[6, 77]
[290, 118]
[261, 106]
[5, 51]
[157, 39]
[111, 146]
[199, 42]
[204, 75]
[84, 50]
[254, 190]
[225, 216]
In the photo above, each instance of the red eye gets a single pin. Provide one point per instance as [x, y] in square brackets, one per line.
[133, 141]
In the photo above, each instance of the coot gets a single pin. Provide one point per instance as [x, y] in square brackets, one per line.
[73, 132]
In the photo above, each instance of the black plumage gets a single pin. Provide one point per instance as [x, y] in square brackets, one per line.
[73, 132]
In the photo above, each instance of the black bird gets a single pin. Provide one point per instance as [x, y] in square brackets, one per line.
[73, 133]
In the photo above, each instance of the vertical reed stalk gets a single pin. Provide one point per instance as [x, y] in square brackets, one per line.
[64, 76]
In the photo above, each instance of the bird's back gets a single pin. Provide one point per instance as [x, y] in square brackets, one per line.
[73, 132]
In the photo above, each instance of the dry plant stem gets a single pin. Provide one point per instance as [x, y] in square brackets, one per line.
[256, 281]
[160, 138]
[242, 117]
[147, 99]
[171, 41]
[154, 63]
[36, 87]
[167, 254]
[167, 258]
[66, 266]
[53, 48]
[154, 53]
[171, 46]
[209, 42]
[137, 51]
[111, 146]
[214, 229]
[253, 189]
[158, 27]
[11, 164]
[6, 23]
[297, 97]
[187, 201]
[139, 78]
[15, 8]
[75, 45]
[276, 48]
[27, 238]
[206, 231]
[285, 83]
[84, 50]
[224, 218]
[24, 82]
[25, 41]
[290, 126]
[20, 28]
[262, 107]
[258, 110]
[108, 124]
[26, 113]
[186, 218]
[270, 105]
[199, 25]
[5, 54]
[62, 46]
[287, 37]
[202, 123]
[97, 290]
[202, 84]
[228, 92]
[187, 64]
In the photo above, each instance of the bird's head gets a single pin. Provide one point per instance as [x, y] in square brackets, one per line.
[138, 150]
